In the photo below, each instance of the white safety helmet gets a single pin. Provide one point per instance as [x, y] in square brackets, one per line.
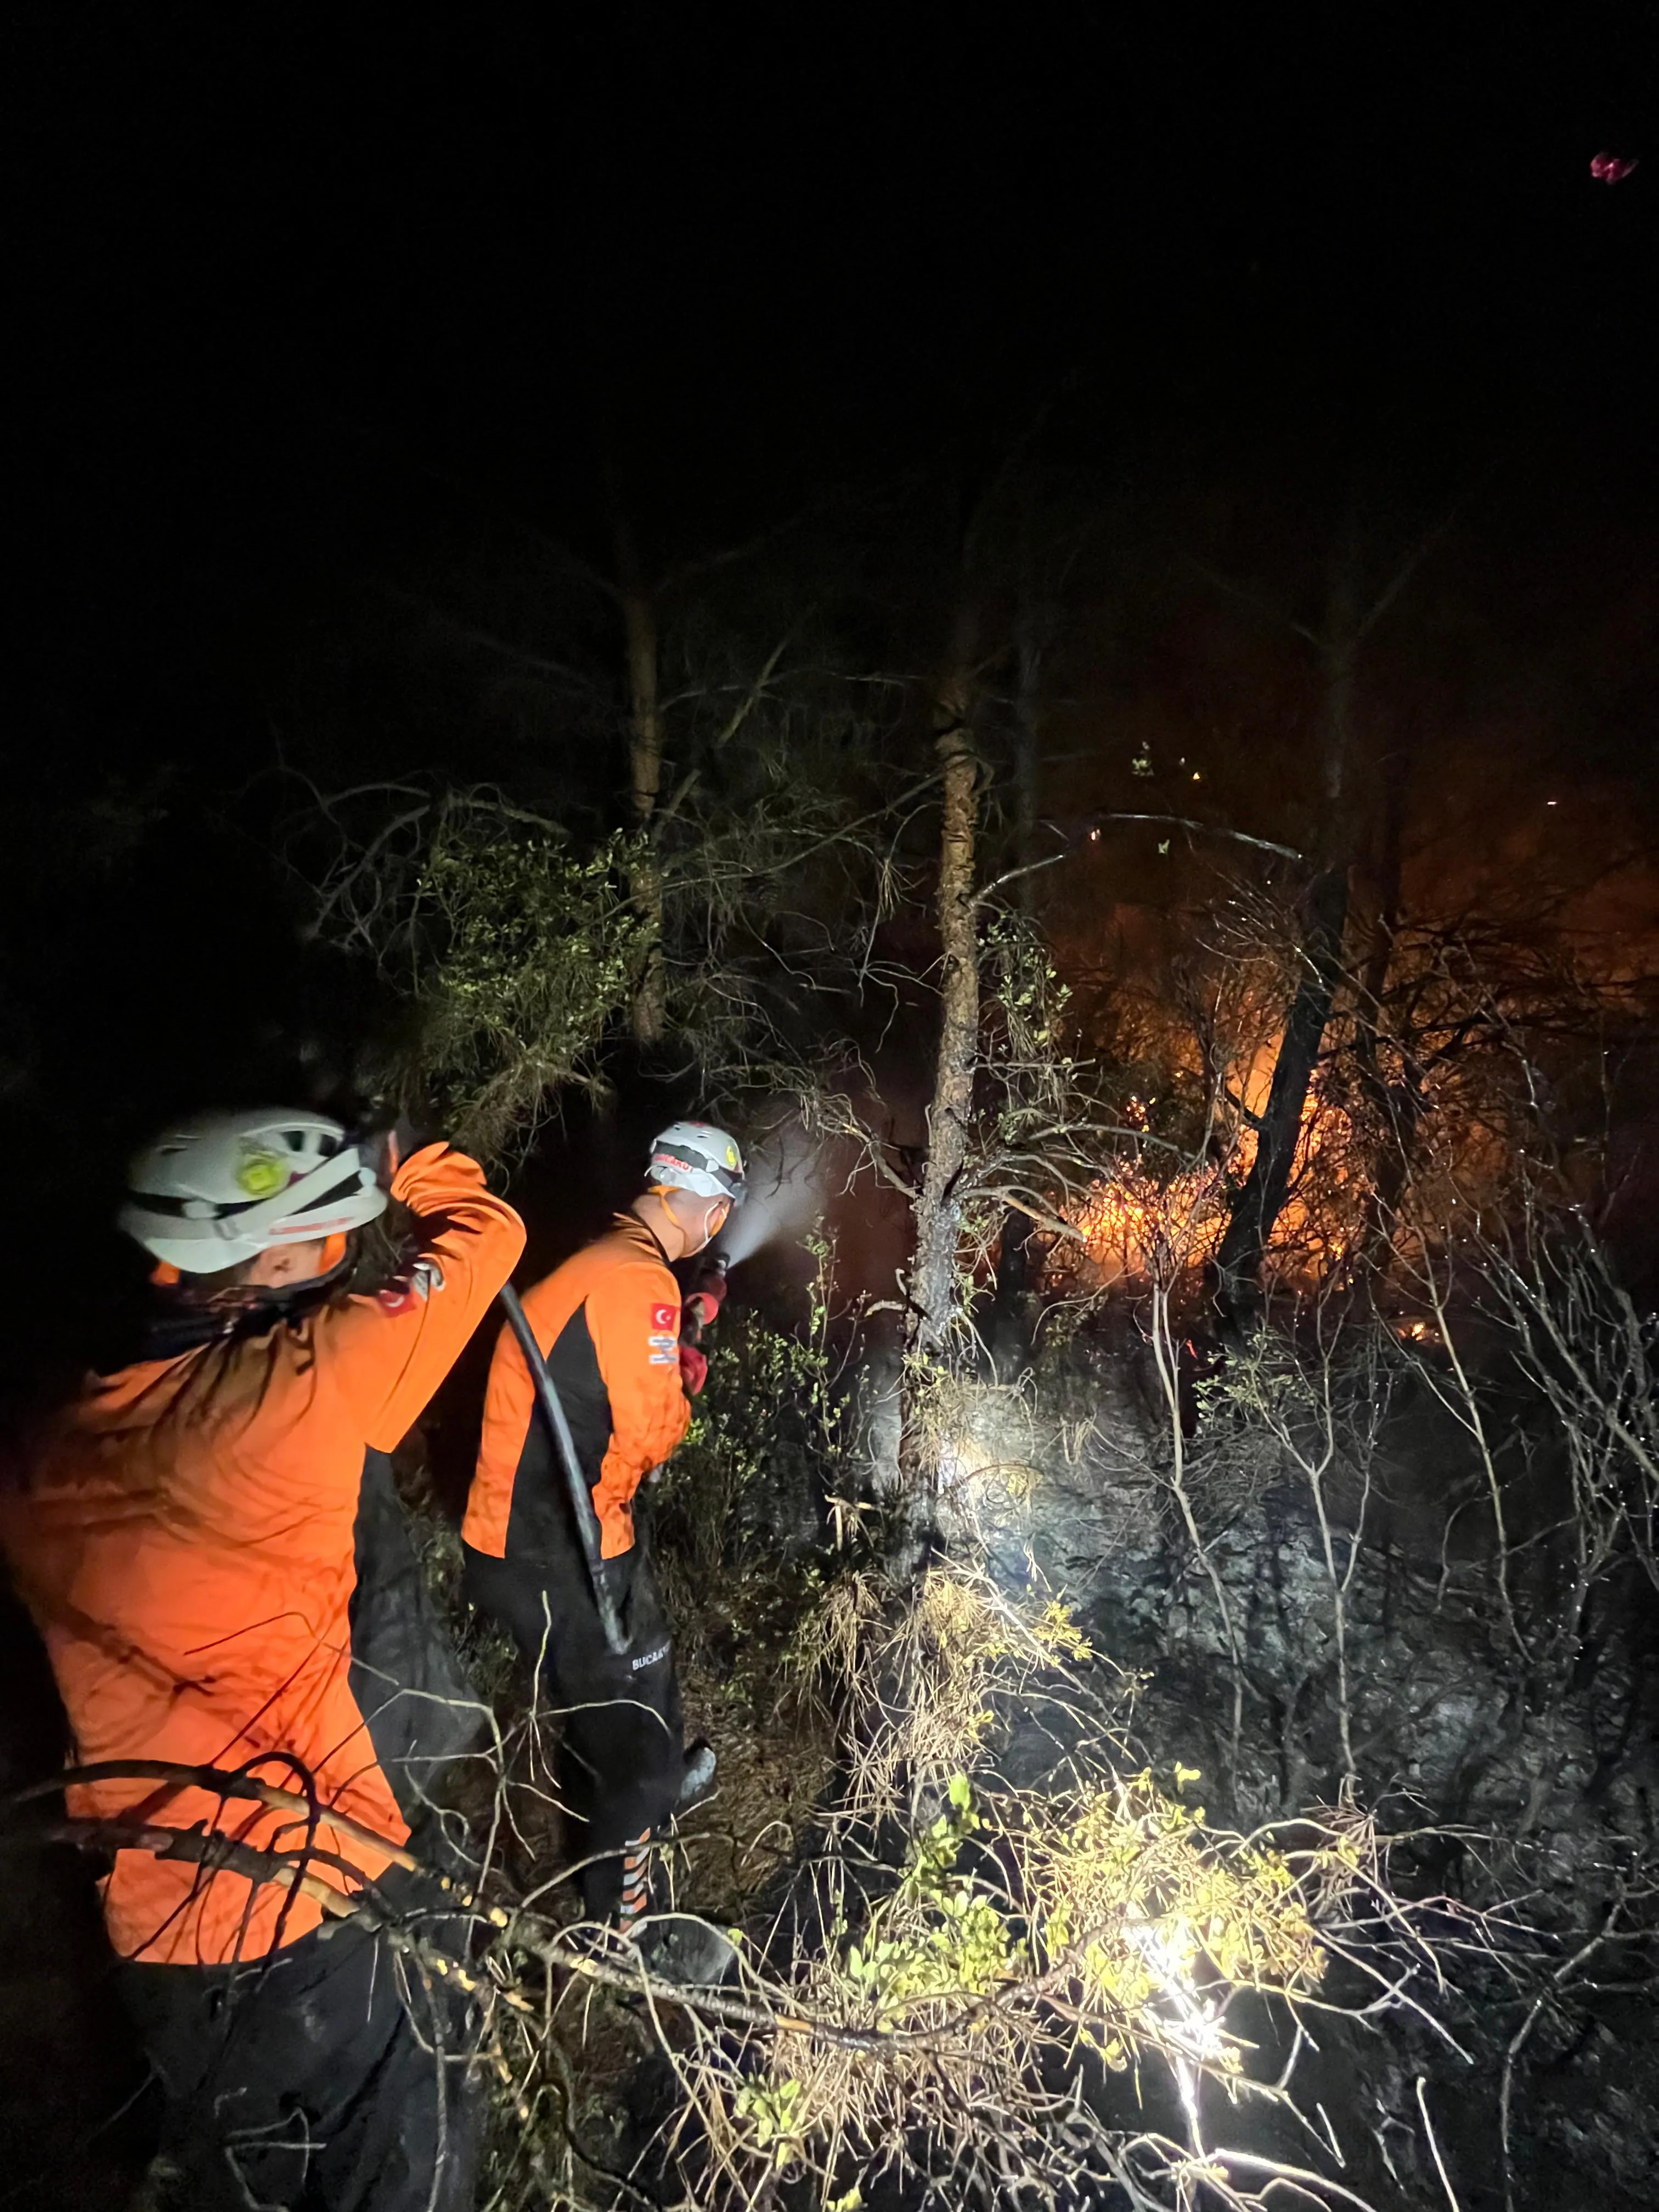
[695, 1156]
[219, 1188]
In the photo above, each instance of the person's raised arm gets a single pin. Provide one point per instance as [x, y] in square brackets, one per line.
[393, 1349]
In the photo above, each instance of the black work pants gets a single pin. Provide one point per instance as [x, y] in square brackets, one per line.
[623, 1758]
[310, 2080]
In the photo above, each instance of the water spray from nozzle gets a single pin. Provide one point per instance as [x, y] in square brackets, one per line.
[785, 1195]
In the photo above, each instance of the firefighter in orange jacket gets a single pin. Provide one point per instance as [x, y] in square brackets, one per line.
[608, 1325]
[210, 1546]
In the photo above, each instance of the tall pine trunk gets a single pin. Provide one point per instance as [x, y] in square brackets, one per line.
[1010, 1333]
[939, 1206]
[645, 764]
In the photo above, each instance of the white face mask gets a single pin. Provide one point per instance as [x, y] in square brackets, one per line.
[715, 1212]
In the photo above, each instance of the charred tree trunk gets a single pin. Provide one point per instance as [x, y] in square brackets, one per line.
[939, 1206]
[645, 764]
[1260, 1197]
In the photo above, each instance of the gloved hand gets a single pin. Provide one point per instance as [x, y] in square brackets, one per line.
[708, 1292]
[694, 1369]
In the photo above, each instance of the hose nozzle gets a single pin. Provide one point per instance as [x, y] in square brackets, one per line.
[705, 1301]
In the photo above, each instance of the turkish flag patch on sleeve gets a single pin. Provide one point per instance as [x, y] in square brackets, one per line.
[664, 1316]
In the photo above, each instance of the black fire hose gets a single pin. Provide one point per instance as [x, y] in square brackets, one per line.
[581, 1499]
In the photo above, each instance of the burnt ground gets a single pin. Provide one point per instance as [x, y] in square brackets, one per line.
[1532, 1794]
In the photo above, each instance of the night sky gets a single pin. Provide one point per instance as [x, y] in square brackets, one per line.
[283, 279]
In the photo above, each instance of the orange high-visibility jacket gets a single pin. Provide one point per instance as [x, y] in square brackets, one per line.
[185, 1546]
[608, 1323]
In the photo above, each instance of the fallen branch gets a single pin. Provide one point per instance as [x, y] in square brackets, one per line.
[218, 1781]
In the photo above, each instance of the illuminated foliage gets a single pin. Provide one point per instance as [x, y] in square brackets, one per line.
[1022, 1935]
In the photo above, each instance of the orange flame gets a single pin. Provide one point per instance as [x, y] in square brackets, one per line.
[1137, 1223]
